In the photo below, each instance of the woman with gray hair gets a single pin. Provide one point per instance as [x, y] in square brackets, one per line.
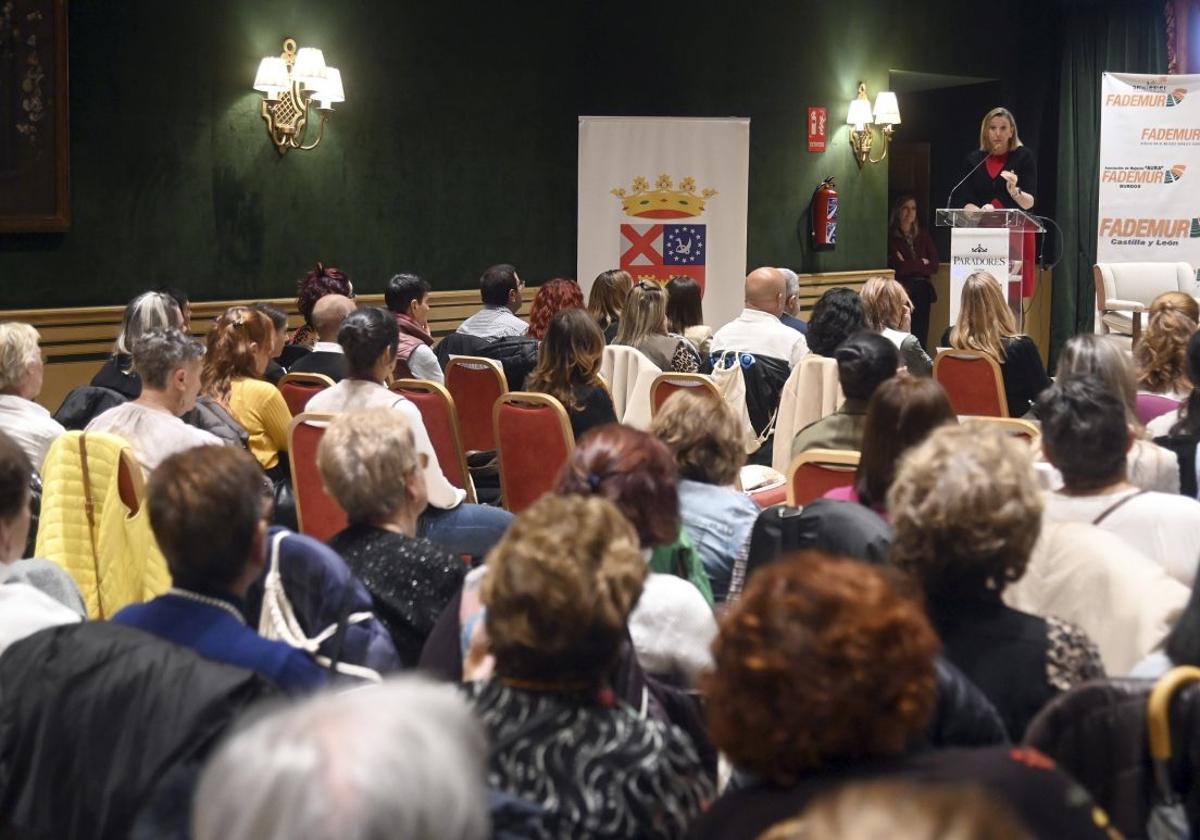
[168, 363]
[21, 367]
[148, 311]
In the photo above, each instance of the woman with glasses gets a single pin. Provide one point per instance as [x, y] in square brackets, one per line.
[644, 328]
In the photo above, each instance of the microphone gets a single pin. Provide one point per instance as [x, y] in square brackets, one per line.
[965, 177]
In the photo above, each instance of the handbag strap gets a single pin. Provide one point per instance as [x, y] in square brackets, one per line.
[1104, 514]
[89, 509]
[1158, 723]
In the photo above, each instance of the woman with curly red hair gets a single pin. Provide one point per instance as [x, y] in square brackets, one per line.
[552, 297]
[322, 280]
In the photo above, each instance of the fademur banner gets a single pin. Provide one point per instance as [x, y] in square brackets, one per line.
[1149, 208]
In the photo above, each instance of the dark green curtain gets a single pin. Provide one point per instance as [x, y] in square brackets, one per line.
[1115, 36]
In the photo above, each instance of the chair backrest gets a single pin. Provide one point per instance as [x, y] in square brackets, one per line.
[1141, 282]
[533, 441]
[299, 388]
[811, 392]
[1150, 406]
[972, 381]
[815, 472]
[475, 383]
[318, 514]
[666, 384]
[629, 373]
[1026, 430]
[441, 422]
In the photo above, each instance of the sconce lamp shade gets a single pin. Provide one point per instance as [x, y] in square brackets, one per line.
[859, 114]
[887, 109]
[330, 88]
[272, 76]
[309, 68]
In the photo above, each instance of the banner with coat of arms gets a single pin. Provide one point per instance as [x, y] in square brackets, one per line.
[664, 197]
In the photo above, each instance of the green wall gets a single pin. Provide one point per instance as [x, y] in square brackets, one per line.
[456, 147]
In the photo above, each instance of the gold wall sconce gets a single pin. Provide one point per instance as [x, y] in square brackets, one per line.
[292, 85]
[862, 123]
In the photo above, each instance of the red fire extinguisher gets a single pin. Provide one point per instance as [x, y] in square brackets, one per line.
[822, 214]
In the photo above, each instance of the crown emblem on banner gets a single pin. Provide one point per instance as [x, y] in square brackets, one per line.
[665, 201]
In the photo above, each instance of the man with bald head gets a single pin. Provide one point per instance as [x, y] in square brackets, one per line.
[326, 356]
[758, 329]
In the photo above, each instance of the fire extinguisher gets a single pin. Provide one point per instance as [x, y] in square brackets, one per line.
[822, 215]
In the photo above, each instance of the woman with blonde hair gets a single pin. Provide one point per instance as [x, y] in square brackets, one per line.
[644, 328]
[985, 324]
[21, 369]
[568, 369]
[1161, 354]
[889, 312]
[606, 300]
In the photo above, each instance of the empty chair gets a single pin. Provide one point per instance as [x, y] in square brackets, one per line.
[815, 472]
[299, 388]
[1125, 290]
[973, 382]
[533, 441]
[666, 384]
[318, 514]
[475, 383]
[441, 422]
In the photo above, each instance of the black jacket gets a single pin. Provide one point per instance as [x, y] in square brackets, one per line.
[118, 375]
[93, 715]
[329, 364]
[83, 403]
[980, 189]
[518, 354]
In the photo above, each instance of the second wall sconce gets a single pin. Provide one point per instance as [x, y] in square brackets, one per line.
[292, 85]
[862, 123]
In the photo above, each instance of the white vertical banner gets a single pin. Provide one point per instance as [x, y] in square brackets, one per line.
[663, 196]
[1149, 207]
[979, 249]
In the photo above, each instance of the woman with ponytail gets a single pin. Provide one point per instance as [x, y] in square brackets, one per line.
[1161, 354]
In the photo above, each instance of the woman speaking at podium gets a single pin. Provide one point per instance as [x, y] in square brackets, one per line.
[1003, 177]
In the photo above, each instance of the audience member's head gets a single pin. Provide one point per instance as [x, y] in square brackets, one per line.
[820, 662]
[984, 318]
[766, 291]
[15, 472]
[886, 305]
[169, 363]
[560, 586]
[607, 296]
[368, 337]
[403, 759]
[644, 313]
[569, 356]
[21, 365]
[279, 323]
[552, 296]
[838, 314]
[1089, 354]
[316, 284]
[1161, 354]
[501, 286]
[865, 361]
[633, 470]
[897, 223]
[147, 311]
[965, 511]
[405, 290]
[328, 314]
[1189, 412]
[239, 346]
[207, 512]
[185, 307]
[370, 465]
[1085, 432]
[901, 414]
[791, 291]
[703, 434]
[684, 306]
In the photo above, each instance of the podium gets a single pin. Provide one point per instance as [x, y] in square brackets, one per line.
[1000, 242]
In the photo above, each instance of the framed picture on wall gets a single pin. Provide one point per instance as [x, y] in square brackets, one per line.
[34, 141]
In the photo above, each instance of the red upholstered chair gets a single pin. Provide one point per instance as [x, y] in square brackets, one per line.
[319, 515]
[441, 422]
[972, 381]
[533, 441]
[475, 383]
[666, 384]
[299, 388]
[1150, 406]
[817, 471]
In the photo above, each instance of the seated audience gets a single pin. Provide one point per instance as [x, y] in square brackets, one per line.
[568, 369]
[500, 288]
[23, 609]
[407, 298]
[1086, 436]
[185, 307]
[825, 676]
[1181, 647]
[1160, 355]
[370, 466]
[607, 296]
[965, 514]
[168, 363]
[889, 312]
[865, 361]
[312, 287]
[1179, 430]
[837, 315]
[685, 313]
[206, 509]
[404, 759]
[559, 589]
[26, 422]
[644, 328]
[552, 297]
[791, 305]
[985, 324]
[368, 338]
[706, 440]
[148, 311]
[901, 414]
[757, 329]
[326, 357]
[279, 323]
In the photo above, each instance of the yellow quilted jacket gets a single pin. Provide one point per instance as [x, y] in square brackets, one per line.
[118, 562]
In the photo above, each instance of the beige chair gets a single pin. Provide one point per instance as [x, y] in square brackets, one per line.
[629, 375]
[810, 393]
[1028, 431]
[1125, 290]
